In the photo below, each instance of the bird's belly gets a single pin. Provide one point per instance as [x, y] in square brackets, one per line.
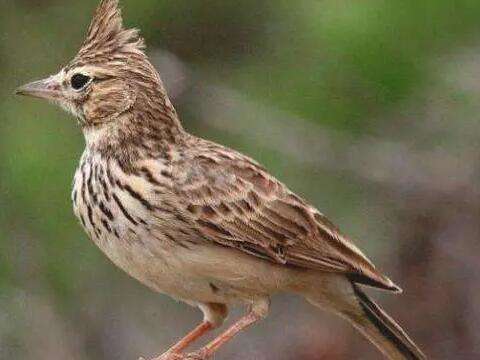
[197, 274]
[150, 260]
[155, 265]
[200, 272]
[193, 272]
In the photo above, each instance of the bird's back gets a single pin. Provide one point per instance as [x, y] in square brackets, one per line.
[233, 201]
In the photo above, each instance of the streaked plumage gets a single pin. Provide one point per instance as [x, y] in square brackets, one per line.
[193, 219]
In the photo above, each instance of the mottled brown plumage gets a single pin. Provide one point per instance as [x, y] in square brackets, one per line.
[193, 219]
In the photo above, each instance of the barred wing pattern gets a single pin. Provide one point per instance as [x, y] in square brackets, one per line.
[236, 203]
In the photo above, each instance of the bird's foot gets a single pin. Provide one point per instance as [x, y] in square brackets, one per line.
[169, 355]
[197, 355]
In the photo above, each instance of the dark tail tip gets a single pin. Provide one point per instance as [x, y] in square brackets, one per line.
[389, 329]
[385, 284]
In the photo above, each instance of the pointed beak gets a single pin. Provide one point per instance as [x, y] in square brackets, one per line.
[49, 89]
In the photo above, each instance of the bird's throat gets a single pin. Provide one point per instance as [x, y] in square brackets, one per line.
[135, 132]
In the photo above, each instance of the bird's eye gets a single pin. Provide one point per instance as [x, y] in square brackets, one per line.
[79, 81]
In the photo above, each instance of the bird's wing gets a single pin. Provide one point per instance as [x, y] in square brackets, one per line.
[234, 202]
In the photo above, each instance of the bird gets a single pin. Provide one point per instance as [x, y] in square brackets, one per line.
[193, 219]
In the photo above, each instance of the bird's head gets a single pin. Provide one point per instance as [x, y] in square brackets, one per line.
[110, 75]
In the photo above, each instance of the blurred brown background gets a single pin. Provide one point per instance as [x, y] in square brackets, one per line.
[370, 109]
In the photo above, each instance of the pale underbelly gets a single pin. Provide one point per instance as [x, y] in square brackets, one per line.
[197, 273]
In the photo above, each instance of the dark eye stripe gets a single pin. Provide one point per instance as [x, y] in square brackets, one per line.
[79, 81]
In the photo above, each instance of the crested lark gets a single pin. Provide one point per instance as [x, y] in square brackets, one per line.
[191, 218]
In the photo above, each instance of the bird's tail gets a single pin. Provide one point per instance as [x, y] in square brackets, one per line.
[378, 327]
[338, 294]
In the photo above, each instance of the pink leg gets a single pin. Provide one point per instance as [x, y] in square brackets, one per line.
[214, 314]
[259, 311]
[196, 333]
[175, 350]
[223, 338]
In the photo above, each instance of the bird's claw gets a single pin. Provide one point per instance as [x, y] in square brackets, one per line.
[169, 356]
[197, 355]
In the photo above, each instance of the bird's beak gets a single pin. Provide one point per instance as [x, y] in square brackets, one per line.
[48, 88]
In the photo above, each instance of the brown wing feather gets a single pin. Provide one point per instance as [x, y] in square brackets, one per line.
[236, 203]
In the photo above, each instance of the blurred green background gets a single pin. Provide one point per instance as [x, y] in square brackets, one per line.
[368, 108]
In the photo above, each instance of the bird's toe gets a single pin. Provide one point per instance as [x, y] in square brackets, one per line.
[169, 356]
[197, 355]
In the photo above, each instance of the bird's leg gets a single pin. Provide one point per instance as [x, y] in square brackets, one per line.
[214, 314]
[215, 344]
[193, 335]
[175, 350]
[257, 312]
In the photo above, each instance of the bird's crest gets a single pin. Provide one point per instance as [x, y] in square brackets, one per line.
[106, 35]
